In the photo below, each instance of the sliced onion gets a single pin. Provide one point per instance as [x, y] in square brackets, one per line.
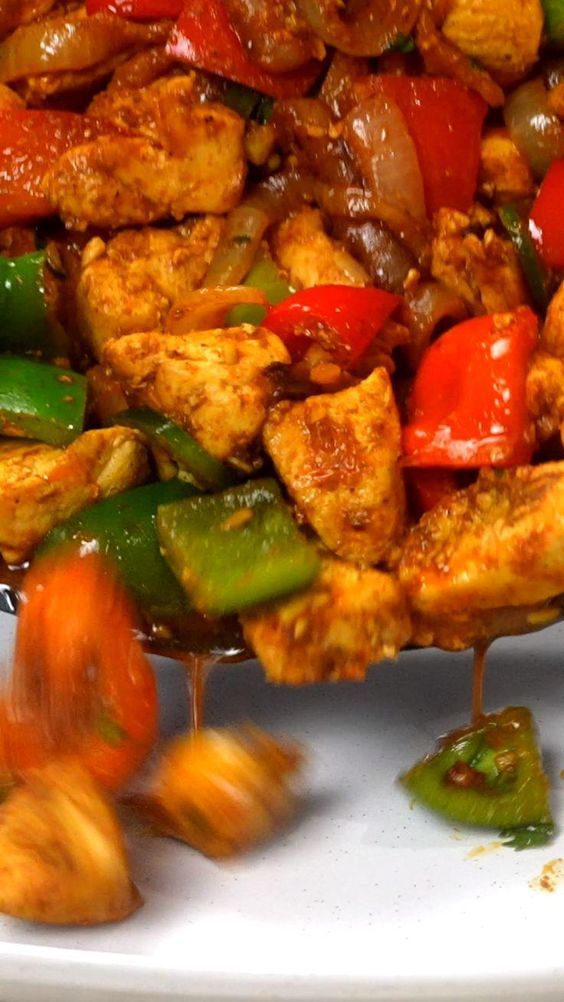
[276, 38]
[337, 90]
[306, 126]
[356, 203]
[442, 57]
[16, 12]
[270, 202]
[376, 132]
[205, 309]
[369, 30]
[428, 305]
[382, 255]
[73, 42]
[534, 128]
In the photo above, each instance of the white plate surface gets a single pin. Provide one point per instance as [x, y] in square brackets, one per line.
[366, 898]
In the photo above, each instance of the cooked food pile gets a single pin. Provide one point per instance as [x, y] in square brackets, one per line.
[281, 370]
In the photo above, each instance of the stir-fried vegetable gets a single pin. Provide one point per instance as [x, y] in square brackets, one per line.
[343, 320]
[546, 226]
[191, 458]
[87, 689]
[237, 549]
[41, 401]
[534, 127]
[23, 309]
[532, 267]
[122, 529]
[468, 406]
[204, 37]
[489, 774]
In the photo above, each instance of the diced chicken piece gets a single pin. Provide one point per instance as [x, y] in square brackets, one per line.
[504, 172]
[482, 269]
[556, 100]
[545, 394]
[41, 486]
[216, 384]
[9, 99]
[129, 284]
[183, 158]
[62, 854]
[13, 13]
[552, 336]
[338, 455]
[502, 35]
[349, 618]
[489, 560]
[310, 257]
[224, 791]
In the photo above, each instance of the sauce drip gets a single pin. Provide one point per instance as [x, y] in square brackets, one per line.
[198, 667]
[478, 674]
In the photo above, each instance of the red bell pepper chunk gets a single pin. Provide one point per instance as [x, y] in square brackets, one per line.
[468, 405]
[137, 10]
[204, 37]
[445, 121]
[30, 143]
[342, 319]
[546, 223]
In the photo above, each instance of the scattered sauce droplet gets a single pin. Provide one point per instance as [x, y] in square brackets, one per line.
[484, 850]
[562, 774]
[551, 875]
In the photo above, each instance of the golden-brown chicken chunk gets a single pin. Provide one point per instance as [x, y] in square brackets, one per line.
[41, 486]
[222, 792]
[349, 618]
[502, 35]
[184, 157]
[479, 266]
[504, 172]
[552, 335]
[215, 384]
[310, 257]
[489, 560]
[62, 854]
[128, 284]
[338, 455]
[545, 394]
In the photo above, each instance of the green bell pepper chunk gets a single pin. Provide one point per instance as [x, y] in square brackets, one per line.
[192, 459]
[237, 549]
[532, 268]
[40, 401]
[264, 275]
[554, 20]
[489, 774]
[23, 309]
[122, 528]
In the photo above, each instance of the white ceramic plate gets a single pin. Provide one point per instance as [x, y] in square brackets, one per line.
[366, 898]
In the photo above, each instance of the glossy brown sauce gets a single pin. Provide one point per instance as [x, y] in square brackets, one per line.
[478, 675]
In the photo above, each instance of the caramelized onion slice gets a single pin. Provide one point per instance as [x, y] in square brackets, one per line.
[276, 37]
[534, 128]
[206, 309]
[73, 42]
[427, 306]
[376, 132]
[368, 30]
[270, 201]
